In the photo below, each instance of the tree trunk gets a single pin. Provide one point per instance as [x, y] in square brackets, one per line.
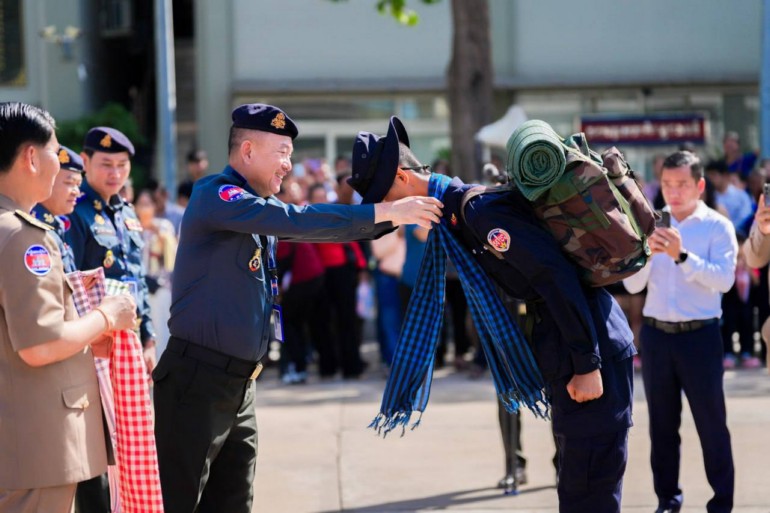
[470, 84]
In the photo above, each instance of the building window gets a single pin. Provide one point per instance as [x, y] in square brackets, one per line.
[11, 44]
[115, 18]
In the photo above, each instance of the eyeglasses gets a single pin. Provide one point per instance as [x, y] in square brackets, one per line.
[415, 168]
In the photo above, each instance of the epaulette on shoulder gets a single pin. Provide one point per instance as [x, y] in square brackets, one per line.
[32, 220]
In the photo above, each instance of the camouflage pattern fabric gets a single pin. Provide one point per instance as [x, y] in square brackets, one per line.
[598, 214]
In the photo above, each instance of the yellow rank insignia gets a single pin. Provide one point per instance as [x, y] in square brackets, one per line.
[99, 219]
[48, 218]
[256, 261]
[279, 121]
[106, 141]
[109, 259]
[32, 220]
[97, 204]
[64, 158]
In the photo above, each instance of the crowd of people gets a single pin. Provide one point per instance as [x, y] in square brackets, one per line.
[314, 293]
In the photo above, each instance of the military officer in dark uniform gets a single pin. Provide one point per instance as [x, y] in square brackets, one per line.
[105, 232]
[56, 209]
[224, 286]
[579, 335]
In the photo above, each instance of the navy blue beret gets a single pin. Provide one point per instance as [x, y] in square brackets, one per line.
[70, 160]
[375, 161]
[107, 140]
[266, 118]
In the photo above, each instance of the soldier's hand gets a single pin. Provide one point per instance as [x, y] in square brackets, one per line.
[419, 210]
[586, 387]
[121, 310]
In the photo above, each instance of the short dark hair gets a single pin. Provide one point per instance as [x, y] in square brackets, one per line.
[196, 155]
[184, 190]
[236, 137]
[406, 158]
[21, 123]
[720, 166]
[685, 158]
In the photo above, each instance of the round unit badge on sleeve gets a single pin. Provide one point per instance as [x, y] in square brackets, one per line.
[499, 239]
[230, 193]
[37, 260]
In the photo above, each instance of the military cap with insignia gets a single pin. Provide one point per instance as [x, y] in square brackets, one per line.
[266, 118]
[70, 160]
[107, 140]
[375, 161]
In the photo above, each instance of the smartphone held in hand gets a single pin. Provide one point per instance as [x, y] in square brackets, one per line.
[662, 219]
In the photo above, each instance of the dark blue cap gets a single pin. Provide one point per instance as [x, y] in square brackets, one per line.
[266, 118]
[70, 160]
[375, 161]
[107, 140]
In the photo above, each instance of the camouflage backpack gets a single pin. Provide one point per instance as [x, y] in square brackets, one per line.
[598, 214]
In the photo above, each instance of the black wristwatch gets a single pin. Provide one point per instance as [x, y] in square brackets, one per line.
[682, 257]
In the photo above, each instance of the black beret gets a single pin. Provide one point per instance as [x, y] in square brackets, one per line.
[266, 118]
[107, 140]
[70, 160]
[375, 161]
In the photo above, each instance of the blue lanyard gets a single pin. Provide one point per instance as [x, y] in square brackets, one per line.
[272, 266]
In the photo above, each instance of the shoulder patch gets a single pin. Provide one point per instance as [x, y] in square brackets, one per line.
[37, 260]
[499, 239]
[230, 192]
[32, 220]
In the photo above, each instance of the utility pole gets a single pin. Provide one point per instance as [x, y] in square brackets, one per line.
[764, 84]
[166, 94]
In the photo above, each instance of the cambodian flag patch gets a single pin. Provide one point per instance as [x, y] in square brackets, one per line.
[499, 239]
[65, 222]
[230, 193]
[38, 260]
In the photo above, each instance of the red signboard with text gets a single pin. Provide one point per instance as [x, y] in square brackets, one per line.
[646, 130]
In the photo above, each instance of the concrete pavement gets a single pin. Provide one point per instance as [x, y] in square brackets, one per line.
[316, 455]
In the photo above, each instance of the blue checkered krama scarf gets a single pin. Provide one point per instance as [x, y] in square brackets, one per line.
[516, 376]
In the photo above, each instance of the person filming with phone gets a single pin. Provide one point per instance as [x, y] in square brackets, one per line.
[693, 263]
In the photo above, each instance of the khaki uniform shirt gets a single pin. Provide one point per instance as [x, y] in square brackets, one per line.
[51, 429]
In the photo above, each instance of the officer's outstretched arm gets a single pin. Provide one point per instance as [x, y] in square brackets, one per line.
[420, 210]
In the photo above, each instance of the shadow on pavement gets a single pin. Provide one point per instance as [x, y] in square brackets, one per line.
[440, 502]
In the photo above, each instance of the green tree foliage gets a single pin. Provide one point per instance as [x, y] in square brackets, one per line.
[72, 132]
[399, 10]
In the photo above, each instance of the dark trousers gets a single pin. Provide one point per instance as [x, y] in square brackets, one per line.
[737, 317]
[206, 433]
[458, 306]
[300, 299]
[591, 472]
[93, 495]
[344, 348]
[689, 362]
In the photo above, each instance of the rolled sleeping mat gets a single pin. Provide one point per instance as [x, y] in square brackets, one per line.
[536, 158]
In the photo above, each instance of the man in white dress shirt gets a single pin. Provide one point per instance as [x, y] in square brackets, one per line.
[693, 263]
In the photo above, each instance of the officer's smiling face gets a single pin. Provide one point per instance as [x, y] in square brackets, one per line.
[66, 190]
[107, 172]
[268, 161]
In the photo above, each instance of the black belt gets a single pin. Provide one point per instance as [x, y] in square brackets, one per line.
[679, 327]
[229, 364]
